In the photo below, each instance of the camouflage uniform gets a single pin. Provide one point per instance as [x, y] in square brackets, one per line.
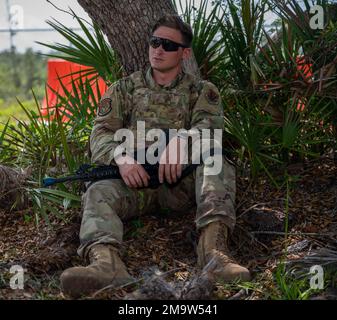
[184, 103]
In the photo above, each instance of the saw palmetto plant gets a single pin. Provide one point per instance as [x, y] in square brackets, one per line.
[289, 75]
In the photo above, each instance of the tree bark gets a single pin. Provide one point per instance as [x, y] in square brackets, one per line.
[11, 189]
[127, 24]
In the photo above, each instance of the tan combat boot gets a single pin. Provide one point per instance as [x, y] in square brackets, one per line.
[213, 245]
[106, 268]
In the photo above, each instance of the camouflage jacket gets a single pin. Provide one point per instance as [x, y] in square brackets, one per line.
[185, 103]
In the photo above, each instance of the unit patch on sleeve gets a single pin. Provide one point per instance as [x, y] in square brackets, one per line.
[212, 96]
[104, 107]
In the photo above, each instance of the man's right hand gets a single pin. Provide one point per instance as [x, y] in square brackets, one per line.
[132, 172]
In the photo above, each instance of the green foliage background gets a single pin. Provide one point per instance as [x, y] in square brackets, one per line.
[21, 72]
[30, 72]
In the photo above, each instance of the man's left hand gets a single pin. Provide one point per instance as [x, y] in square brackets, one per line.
[171, 160]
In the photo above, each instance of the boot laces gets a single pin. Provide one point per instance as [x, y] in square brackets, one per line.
[95, 254]
[221, 244]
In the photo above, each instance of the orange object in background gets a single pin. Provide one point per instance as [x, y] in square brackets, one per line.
[306, 70]
[59, 70]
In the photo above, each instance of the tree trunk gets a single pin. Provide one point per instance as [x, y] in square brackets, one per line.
[127, 24]
[11, 189]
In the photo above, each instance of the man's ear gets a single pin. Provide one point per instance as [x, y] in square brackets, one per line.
[187, 53]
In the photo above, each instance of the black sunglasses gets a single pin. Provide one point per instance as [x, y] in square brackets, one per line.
[168, 45]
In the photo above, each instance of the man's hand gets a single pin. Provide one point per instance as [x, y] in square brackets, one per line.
[171, 160]
[132, 172]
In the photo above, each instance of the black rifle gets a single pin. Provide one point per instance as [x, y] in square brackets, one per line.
[88, 172]
[92, 173]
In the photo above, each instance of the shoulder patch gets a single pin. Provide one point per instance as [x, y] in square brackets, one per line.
[104, 107]
[212, 96]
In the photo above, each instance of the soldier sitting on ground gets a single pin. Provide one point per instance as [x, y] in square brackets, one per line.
[163, 97]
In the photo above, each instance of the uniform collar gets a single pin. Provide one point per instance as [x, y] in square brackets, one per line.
[153, 84]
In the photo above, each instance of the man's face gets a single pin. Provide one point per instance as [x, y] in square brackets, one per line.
[162, 60]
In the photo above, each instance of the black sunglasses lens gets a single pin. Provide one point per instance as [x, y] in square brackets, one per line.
[170, 46]
[155, 42]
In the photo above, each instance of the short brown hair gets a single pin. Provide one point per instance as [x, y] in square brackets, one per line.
[175, 22]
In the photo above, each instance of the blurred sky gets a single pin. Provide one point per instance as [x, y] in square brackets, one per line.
[36, 12]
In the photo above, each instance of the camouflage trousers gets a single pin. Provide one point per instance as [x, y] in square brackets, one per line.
[107, 203]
